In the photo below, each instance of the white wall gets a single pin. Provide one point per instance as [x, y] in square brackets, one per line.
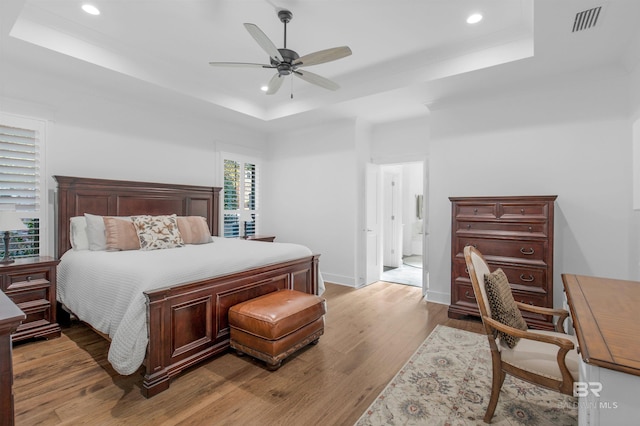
[571, 138]
[309, 194]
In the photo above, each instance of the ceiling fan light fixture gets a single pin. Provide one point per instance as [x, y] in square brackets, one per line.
[474, 18]
[91, 9]
[264, 88]
[286, 61]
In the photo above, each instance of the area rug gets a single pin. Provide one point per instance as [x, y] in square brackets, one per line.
[447, 381]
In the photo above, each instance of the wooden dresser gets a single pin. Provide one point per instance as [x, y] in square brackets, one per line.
[513, 233]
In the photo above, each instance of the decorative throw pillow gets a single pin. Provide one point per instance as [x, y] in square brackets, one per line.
[503, 306]
[157, 232]
[121, 234]
[194, 229]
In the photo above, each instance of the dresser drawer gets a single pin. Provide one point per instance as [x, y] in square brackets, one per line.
[526, 278]
[524, 211]
[531, 252]
[520, 277]
[523, 230]
[476, 210]
[464, 296]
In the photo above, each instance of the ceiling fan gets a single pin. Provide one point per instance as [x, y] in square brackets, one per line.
[286, 61]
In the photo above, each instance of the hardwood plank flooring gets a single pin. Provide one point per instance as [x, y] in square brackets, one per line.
[369, 334]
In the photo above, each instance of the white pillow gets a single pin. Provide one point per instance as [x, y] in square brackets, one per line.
[96, 235]
[78, 233]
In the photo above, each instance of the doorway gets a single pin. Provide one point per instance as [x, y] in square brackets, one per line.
[403, 223]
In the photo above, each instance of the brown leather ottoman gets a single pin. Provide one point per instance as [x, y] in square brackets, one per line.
[273, 326]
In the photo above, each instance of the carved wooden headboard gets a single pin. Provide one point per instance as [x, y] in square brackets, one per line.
[77, 196]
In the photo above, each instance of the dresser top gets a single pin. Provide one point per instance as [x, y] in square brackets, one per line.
[605, 316]
[507, 198]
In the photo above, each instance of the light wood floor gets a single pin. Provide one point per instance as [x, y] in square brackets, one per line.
[369, 334]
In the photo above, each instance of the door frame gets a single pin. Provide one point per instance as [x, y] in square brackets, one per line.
[403, 159]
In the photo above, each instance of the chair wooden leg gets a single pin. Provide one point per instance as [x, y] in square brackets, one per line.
[496, 385]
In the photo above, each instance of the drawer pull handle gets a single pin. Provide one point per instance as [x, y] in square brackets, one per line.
[530, 303]
[527, 252]
[466, 270]
[472, 245]
[28, 278]
[469, 295]
[522, 211]
[530, 229]
[528, 279]
[469, 226]
[475, 211]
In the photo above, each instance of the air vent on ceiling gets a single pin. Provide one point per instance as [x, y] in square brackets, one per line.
[586, 19]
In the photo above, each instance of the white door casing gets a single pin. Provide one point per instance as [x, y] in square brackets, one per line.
[373, 224]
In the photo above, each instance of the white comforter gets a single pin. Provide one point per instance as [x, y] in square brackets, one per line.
[105, 289]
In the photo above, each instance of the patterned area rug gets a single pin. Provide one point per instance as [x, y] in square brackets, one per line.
[448, 382]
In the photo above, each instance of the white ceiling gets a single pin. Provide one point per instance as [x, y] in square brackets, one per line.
[407, 54]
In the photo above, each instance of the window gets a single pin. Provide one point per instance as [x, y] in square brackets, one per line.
[240, 196]
[21, 181]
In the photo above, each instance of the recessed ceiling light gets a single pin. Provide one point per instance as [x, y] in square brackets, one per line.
[90, 9]
[474, 19]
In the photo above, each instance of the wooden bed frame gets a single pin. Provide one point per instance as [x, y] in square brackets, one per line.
[187, 322]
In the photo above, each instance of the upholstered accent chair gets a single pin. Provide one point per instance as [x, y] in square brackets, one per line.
[544, 358]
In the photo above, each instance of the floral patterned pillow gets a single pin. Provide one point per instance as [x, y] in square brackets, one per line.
[157, 232]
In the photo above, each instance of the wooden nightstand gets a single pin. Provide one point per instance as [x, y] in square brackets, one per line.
[267, 238]
[31, 284]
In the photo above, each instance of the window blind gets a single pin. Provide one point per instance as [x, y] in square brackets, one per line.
[240, 197]
[20, 186]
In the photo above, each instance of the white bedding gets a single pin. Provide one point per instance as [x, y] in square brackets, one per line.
[105, 289]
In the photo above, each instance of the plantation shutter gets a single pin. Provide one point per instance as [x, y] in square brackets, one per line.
[240, 196]
[20, 185]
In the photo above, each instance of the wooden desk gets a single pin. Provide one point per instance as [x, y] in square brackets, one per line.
[606, 317]
[10, 318]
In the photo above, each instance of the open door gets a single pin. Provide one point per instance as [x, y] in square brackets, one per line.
[373, 224]
[392, 217]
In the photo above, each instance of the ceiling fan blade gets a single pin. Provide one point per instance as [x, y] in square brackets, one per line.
[239, 64]
[323, 56]
[275, 83]
[264, 42]
[316, 79]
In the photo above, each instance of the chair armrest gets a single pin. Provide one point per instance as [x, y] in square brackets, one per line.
[524, 334]
[562, 314]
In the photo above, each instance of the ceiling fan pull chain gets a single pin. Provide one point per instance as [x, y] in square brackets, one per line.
[291, 85]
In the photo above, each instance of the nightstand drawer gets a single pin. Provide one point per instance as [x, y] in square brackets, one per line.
[38, 313]
[18, 281]
[28, 295]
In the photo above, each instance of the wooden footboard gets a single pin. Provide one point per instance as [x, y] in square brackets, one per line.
[188, 322]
